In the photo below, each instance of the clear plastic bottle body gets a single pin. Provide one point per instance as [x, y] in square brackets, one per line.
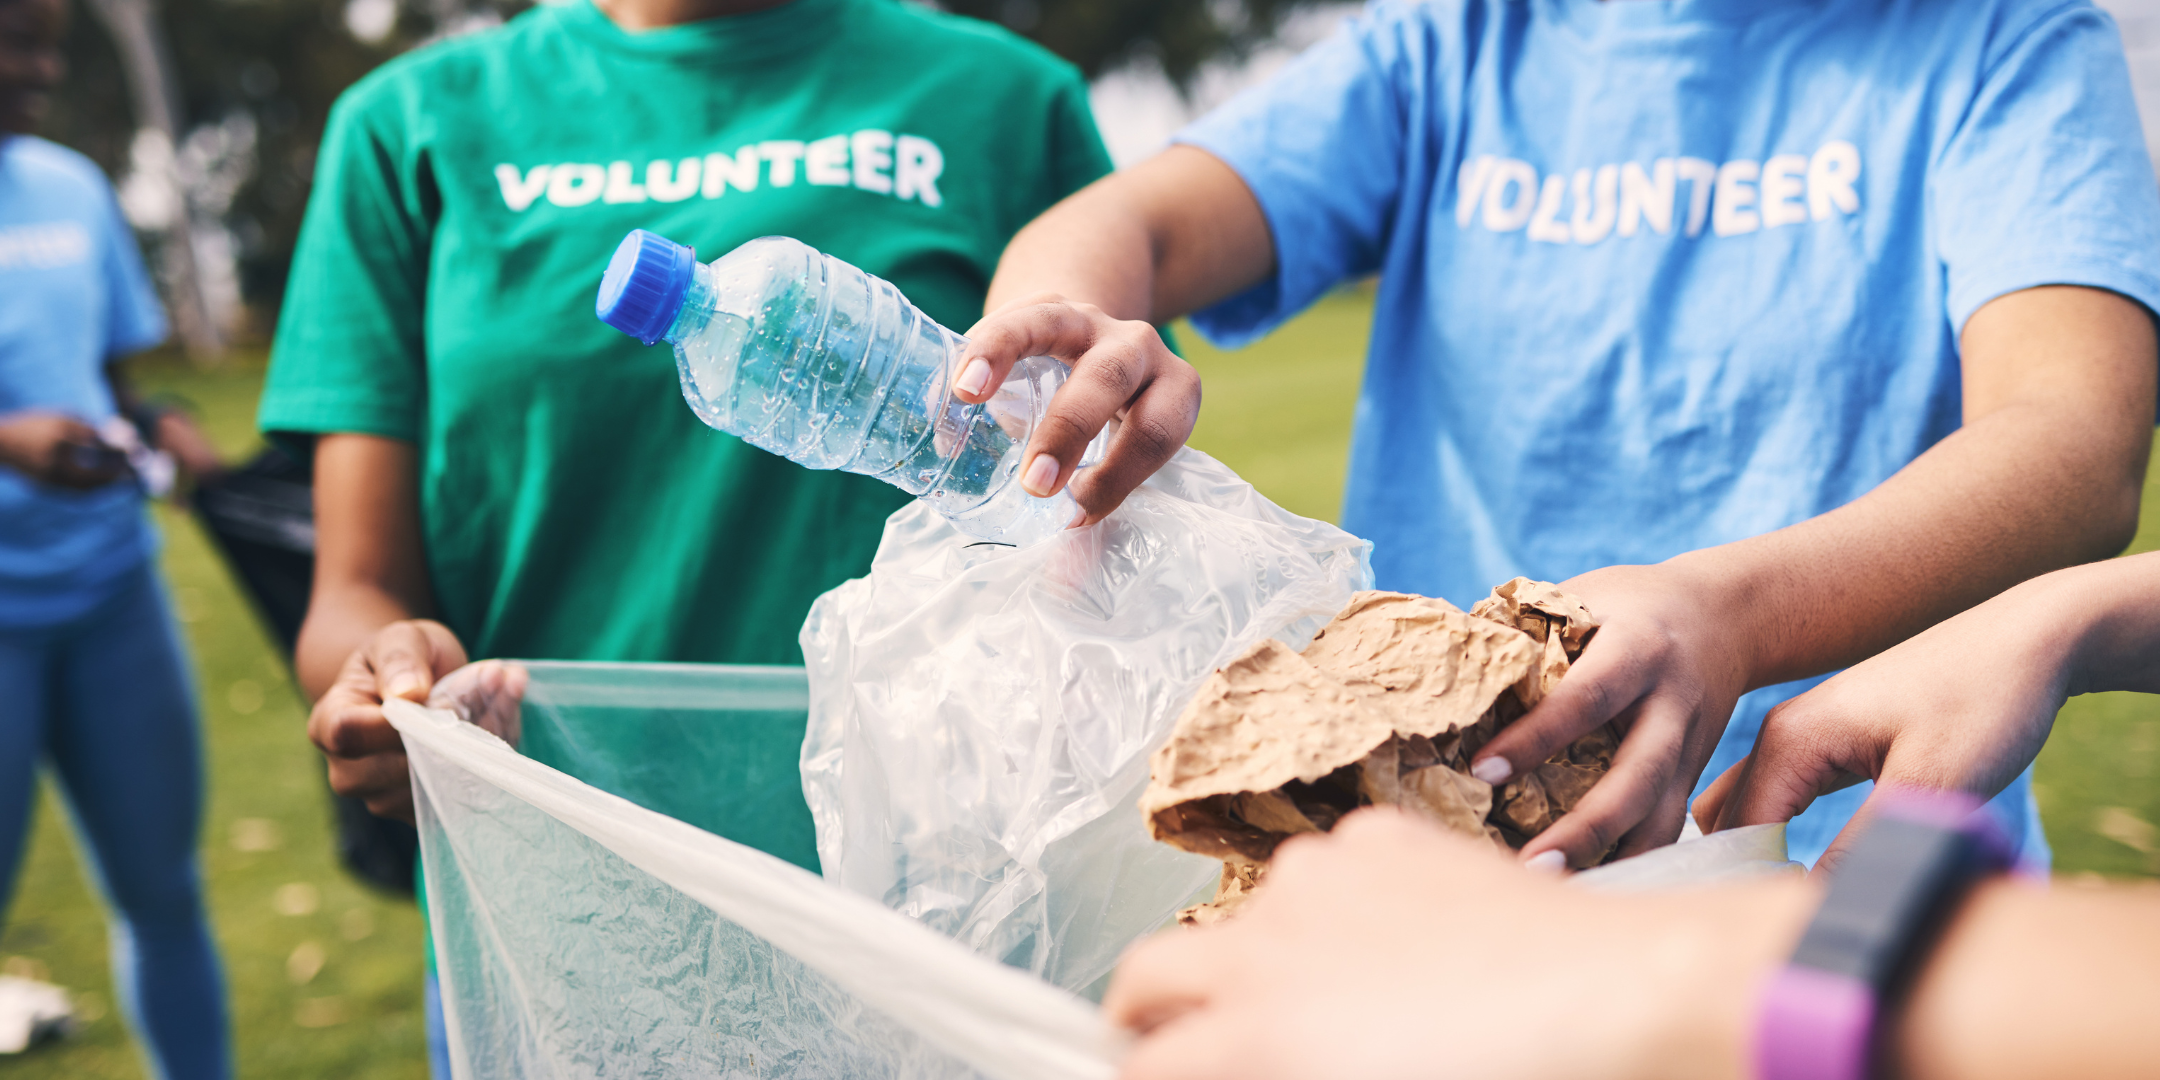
[806, 356]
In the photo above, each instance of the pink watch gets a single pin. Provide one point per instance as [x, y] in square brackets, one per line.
[1886, 907]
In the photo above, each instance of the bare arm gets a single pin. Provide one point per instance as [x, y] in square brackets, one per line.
[1965, 705]
[2046, 472]
[1166, 237]
[369, 634]
[1391, 951]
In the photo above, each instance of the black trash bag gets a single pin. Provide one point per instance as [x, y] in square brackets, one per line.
[261, 518]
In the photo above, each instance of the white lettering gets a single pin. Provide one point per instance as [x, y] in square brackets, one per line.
[1646, 198]
[519, 193]
[1781, 191]
[1735, 193]
[575, 184]
[874, 160]
[1593, 219]
[1470, 186]
[1502, 214]
[871, 151]
[917, 168]
[1830, 176]
[47, 246]
[741, 171]
[620, 187]
[662, 188]
[1545, 225]
[1700, 175]
[825, 161]
[782, 153]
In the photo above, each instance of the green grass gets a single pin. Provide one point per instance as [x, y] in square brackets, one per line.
[266, 829]
[1278, 413]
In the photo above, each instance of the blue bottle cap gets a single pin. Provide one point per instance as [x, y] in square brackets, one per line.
[644, 286]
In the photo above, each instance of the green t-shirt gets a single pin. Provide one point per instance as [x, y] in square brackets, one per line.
[467, 198]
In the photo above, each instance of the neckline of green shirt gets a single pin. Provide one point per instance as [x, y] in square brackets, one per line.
[793, 27]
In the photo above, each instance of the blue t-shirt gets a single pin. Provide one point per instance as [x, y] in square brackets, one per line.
[73, 296]
[1656, 276]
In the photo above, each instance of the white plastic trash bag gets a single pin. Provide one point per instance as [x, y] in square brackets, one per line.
[581, 935]
[589, 922]
[1750, 851]
[981, 716]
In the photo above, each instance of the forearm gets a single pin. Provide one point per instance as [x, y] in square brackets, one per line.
[2106, 617]
[1996, 503]
[2045, 473]
[1094, 248]
[1172, 234]
[370, 564]
[2025, 982]
[341, 619]
[2030, 983]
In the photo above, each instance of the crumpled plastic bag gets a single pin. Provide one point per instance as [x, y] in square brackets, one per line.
[981, 716]
[581, 934]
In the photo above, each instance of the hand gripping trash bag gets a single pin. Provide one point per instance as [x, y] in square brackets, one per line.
[580, 934]
[981, 716]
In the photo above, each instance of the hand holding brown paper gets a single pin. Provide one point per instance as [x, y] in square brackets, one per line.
[1386, 706]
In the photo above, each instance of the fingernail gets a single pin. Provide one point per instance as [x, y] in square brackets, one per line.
[1493, 770]
[1546, 862]
[401, 686]
[1041, 473]
[974, 378]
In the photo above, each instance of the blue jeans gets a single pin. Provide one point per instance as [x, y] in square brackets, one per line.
[105, 700]
[438, 1031]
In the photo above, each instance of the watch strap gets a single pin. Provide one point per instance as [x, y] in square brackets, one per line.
[1886, 906]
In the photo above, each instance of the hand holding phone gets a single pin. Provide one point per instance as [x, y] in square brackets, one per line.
[60, 450]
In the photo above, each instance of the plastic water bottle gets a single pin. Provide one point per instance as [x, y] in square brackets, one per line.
[796, 352]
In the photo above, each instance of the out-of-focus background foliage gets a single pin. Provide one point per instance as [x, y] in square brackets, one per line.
[324, 974]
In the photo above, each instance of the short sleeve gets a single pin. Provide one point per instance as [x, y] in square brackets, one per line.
[1077, 154]
[1321, 146]
[134, 320]
[350, 352]
[2046, 180]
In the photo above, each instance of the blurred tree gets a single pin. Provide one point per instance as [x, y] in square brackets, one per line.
[275, 66]
[1181, 36]
[258, 77]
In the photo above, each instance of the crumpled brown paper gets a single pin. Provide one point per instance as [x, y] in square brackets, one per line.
[1386, 706]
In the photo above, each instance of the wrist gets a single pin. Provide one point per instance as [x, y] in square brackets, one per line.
[1705, 967]
[1742, 602]
[2098, 621]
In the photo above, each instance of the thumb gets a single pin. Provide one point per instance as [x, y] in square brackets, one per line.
[1708, 809]
[1601, 686]
[408, 656]
[1780, 778]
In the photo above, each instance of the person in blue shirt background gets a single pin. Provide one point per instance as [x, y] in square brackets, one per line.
[92, 679]
[1778, 332]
